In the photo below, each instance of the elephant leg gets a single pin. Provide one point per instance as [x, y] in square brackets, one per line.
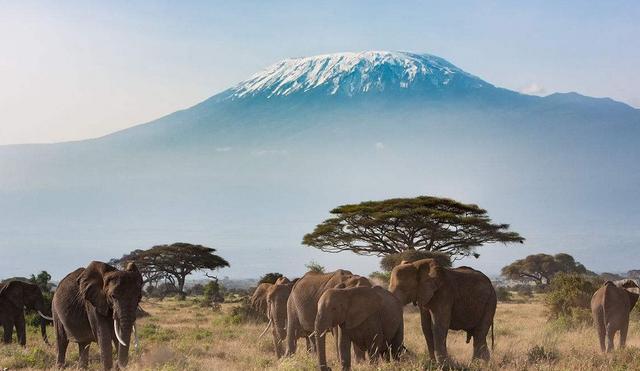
[358, 354]
[345, 352]
[8, 331]
[480, 348]
[336, 339]
[83, 351]
[440, 332]
[427, 331]
[292, 333]
[611, 333]
[21, 330]
[61, 343]
[623, 334]
[396, 344]
[602, 332]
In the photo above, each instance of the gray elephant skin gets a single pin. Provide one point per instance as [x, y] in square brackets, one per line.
[370, 317]
[97, 304]
[302, 304]
[15, 296]
[610, 308]
[449, 298]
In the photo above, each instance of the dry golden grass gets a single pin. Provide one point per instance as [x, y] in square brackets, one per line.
[184, 336]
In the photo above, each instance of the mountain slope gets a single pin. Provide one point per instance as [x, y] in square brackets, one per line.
[250, 170]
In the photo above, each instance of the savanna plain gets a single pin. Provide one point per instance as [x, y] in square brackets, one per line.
[184, 335]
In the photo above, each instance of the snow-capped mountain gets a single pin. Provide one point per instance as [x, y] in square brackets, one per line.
[252, 169]
[353, 73]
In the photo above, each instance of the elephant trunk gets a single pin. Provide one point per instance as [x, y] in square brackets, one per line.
[43, 329]
[322, 350]
[123, 330]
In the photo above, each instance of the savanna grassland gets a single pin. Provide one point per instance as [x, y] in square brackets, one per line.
[182, 335]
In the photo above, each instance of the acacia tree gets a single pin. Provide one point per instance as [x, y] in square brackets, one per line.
[174, 262]
[423, 224]
[540, 268]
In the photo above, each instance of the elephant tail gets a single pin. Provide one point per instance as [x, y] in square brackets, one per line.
[492, 338]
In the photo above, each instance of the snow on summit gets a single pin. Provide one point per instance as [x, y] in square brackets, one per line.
[354, 73]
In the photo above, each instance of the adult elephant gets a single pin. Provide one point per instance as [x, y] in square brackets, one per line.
[302, 304]
[97, 304]
[449, 298]
[15, 296]
[370, 317]
[276, 302]
[258, 300]
[610, 307]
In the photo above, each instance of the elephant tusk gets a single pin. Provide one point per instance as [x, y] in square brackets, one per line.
[45, 317]
[311, 335]
[115, 328]
[135, 337]
[265, 330]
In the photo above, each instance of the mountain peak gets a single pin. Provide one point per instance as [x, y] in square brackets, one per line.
[353, 73]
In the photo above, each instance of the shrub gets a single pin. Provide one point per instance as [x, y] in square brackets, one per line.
[380, 277]
[196, 290]
[314, 267]
[270, 277]
[569, 297]
[212, 292]
[503, 294]
[524, 290]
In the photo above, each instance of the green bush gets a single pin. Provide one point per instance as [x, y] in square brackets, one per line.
[503, 294]
[568, 298]
[313, 266]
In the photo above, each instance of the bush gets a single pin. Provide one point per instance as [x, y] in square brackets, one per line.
[524, 290]
[212, 292]
[270, 277]
[381, 277]
[569, 297]
[313, 266]
[196, 290]
[503, 294]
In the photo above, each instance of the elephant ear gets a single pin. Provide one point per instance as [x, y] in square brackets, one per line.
[13, 291]
[132, 267]
[633, 291]
[430, 278]
[91, 283]
[363, 304]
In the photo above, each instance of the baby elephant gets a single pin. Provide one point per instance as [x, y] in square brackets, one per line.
[370, 317]
[610, 307]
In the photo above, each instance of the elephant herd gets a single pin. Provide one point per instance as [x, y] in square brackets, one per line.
[93, 304]
[99, 304]
[369, 318]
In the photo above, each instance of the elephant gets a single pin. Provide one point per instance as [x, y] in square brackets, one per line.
[449, 298]
[370, 317]
[14, 297]
[97, 304]
[610, 307]
[302, 304]
[258, 300]
[276, 298]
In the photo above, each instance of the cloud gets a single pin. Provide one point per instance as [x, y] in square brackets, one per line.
[379, 146]
[534, 89]
[223, 149]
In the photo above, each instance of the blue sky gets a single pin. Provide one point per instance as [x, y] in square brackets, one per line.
[72, 70]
